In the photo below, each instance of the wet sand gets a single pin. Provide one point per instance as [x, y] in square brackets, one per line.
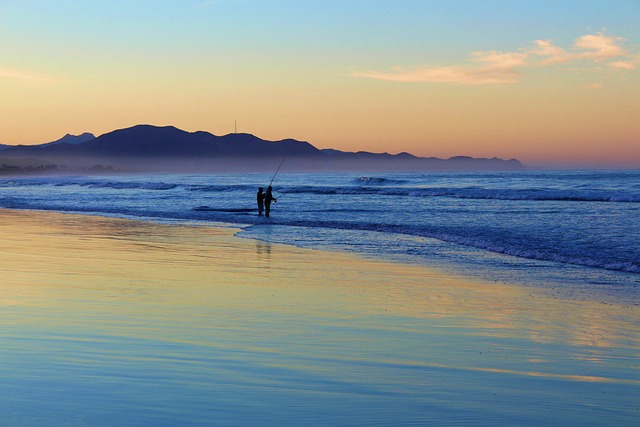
[114, 322]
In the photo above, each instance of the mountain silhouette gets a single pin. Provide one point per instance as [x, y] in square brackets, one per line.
[161, 147]
[72, 139]
[151, 141]
[169, 141]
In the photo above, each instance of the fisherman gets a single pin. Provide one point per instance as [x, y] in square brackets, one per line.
[260, 197]
[268, 198]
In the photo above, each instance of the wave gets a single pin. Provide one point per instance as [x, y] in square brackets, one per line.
[95, 184]
[21, 183]
[123, 185]
[118, 185]
[493, 244]
[614, 196]
[369, 180]
[534, 195]
[229, 210]
[586, 260]
[360, 186]
[339, 210]
[212, 188]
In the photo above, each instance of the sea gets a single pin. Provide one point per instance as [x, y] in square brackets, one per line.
[574, 233]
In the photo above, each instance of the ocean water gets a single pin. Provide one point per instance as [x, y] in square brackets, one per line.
[575, 232]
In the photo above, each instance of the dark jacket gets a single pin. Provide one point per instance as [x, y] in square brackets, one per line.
[268, 198]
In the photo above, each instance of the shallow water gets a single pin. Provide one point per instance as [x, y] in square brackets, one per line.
[109, 322]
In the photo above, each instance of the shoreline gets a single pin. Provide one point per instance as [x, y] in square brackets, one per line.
[287, 335]
[511, 246]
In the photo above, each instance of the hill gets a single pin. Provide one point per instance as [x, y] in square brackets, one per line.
[72, 139]
[147, 147]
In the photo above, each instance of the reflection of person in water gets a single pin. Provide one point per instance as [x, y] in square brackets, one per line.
[268, 198]
[260, 197]
[263, 249]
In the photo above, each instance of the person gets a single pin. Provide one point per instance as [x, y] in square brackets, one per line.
[260, 197]
[268, 198]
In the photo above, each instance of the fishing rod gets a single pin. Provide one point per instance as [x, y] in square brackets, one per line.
[277, 170]
[284, 193]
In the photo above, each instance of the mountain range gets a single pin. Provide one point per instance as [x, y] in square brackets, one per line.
[147, 147]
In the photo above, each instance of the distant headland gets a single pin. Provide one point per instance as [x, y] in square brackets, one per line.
[148, 148]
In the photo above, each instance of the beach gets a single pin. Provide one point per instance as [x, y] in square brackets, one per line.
[109, 321]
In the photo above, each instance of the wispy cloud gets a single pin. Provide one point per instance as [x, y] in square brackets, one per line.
[26, 77]
[599, 47]
[625, 64]
[494, 67]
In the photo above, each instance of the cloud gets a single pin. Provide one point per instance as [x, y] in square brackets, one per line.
[552, 54]
[630, 63]
[494, 67]
[600, 47]
[500, 60]
[24, 76]
[461, 75]
[623, 65]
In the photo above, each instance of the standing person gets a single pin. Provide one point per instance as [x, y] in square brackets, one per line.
[260, 199]
[268, 198]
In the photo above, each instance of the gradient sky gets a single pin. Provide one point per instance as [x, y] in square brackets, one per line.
[552, 83]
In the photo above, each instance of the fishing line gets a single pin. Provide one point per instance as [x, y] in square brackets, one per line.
[277, 170]
[284, 193]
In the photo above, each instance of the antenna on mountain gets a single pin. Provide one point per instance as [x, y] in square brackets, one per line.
[236, 131]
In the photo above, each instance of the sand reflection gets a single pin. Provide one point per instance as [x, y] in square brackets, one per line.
[263, 251]
[207, 313]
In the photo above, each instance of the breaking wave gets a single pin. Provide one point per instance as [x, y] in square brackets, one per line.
[494, 243]
[368, 180]
[363, 185]
[618, 196]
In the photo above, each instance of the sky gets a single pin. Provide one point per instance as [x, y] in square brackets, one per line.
[551, 83]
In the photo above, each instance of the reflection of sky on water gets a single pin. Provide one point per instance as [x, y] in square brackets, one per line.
[123, 322]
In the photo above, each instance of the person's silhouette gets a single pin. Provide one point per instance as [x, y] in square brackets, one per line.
[260, 200]
[268, 198]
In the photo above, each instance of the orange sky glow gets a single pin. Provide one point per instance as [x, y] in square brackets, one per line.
[384, 79]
